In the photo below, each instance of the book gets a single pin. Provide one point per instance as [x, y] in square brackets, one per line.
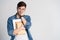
[17, 24]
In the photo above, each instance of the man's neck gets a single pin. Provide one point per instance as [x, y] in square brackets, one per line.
[19, 16]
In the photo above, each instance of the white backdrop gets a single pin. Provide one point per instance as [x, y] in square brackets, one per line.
[45, 15]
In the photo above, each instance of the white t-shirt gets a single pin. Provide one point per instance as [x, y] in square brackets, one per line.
[21, 37]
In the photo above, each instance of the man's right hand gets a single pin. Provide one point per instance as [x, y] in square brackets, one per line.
[15, 32]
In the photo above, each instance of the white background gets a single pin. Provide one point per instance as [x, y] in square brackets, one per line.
[45, 15]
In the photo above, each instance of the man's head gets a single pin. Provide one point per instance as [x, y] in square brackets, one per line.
[21, 7]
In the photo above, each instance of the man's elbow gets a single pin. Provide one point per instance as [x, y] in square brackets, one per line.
[28, 25]
[10, 33]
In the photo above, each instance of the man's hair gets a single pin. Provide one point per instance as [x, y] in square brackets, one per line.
[21, 3]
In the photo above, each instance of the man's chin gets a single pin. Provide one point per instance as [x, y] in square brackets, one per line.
[21, 14]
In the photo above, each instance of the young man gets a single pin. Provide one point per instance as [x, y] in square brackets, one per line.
[25, 21]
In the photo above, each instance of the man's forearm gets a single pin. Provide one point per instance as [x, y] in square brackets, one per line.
[23, 20]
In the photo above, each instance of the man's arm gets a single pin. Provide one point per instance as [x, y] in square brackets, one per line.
[10, 27]
[26, 21]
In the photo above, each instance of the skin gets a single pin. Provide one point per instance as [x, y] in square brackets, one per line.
[20, 12]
